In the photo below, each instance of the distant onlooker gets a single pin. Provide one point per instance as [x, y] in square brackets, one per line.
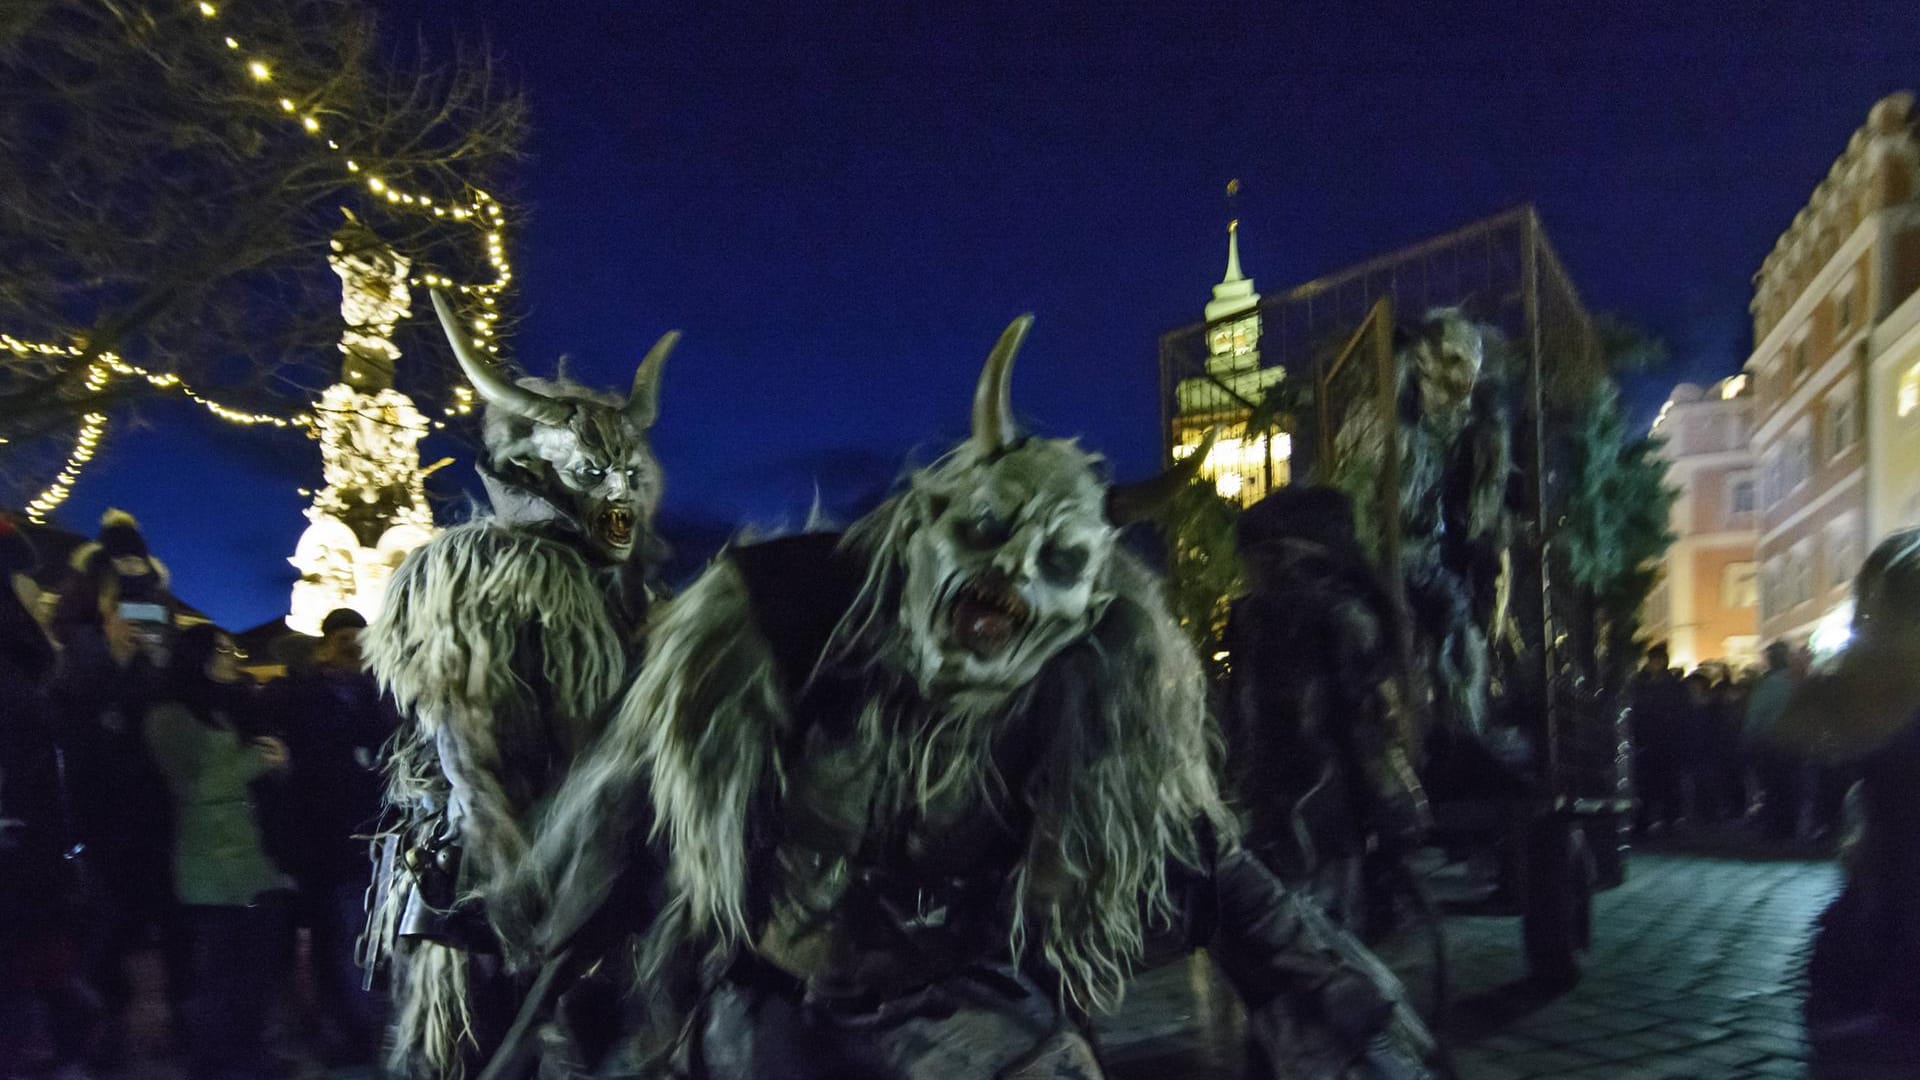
[1727, 719]
[1656, 725]
[1864, 713]
[232, 895]
[336, 724]
[121, 812]
[1696, 764]
[39, 945]
[1779, 768]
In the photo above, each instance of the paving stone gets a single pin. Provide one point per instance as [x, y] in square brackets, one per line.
[1794, 1048]
[1485, 1067]
[1730, 1052]
[1697, 974]
[1550, 1062]
[1697, 1033]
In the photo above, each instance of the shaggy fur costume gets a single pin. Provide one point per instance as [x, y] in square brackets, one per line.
[707, 726]
[501, 648]
[825, 825]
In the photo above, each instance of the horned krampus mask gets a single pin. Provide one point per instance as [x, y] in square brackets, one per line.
[1449, 352]
[585, 452]
[1006, 543]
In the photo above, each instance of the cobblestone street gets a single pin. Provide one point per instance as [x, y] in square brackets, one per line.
[1695, 974]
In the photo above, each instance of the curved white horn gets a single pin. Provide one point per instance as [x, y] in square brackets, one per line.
[993, 427]
[499, 390]
[643, 401]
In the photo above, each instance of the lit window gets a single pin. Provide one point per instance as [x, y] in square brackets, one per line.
[1843, 552]
[1843, 310]
[1910, 391]
[1739, 585]
[1799, 461]
[1800, 574]
[1246, 336]
[1840, 423]
[1741, 499]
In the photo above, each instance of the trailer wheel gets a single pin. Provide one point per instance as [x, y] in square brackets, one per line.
[1557, 914]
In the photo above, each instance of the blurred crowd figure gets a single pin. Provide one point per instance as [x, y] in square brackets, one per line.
[1859, 716]
[155, 799]
[1705, 751]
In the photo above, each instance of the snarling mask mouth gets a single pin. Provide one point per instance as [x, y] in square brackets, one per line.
[988, 614]
[614, 527]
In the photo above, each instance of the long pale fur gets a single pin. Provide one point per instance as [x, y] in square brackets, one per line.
[1122, 784]
[1126, 775]
[472, 619]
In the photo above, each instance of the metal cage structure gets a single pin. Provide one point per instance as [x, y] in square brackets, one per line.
[1502, 270]
[1334, 334]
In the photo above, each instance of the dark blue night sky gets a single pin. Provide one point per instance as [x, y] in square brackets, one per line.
[842, 211]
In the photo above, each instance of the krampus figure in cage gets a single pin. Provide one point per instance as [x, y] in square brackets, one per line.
[1455, 521]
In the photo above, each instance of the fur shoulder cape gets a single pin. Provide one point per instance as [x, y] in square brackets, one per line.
[694, 758]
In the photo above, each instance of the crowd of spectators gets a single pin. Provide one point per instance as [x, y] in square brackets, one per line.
[1705, 751]
[155, 798]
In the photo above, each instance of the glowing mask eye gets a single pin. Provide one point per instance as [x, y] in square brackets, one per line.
[1063, 562]
[984, 529]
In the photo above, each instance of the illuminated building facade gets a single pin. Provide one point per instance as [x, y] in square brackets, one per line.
[1836, 377]
[1243, 466]
[373, 509]
[1706, 605]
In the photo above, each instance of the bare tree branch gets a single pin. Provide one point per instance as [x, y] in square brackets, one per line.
[159, 203]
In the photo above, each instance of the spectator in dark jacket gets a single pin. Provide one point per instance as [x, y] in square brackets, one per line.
[39, 942]
[1781, 769]
[336, 724]
[1659, 727]
[1730, 759]
[121, 813]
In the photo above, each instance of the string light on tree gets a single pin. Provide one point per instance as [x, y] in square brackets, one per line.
[480, 208]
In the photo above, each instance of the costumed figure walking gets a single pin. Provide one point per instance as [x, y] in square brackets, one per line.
[504, 641]
[923, 793]
[1319, 731]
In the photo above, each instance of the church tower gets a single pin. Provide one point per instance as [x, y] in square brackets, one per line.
[1243, 466]
[373, 509]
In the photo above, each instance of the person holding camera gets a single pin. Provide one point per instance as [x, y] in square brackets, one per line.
[121, 814]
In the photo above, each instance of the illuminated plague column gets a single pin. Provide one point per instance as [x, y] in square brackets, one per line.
[373, 509]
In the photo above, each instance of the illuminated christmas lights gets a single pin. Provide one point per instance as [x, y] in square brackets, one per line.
[482, 209]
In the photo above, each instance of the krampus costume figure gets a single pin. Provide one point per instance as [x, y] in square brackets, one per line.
[1318, 729]
[505, 641]
[924, 790]
[1455, 462]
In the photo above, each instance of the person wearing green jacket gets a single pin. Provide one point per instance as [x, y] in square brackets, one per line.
[232, 894]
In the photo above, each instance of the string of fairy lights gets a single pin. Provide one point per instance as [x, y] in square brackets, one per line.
[480, 208]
